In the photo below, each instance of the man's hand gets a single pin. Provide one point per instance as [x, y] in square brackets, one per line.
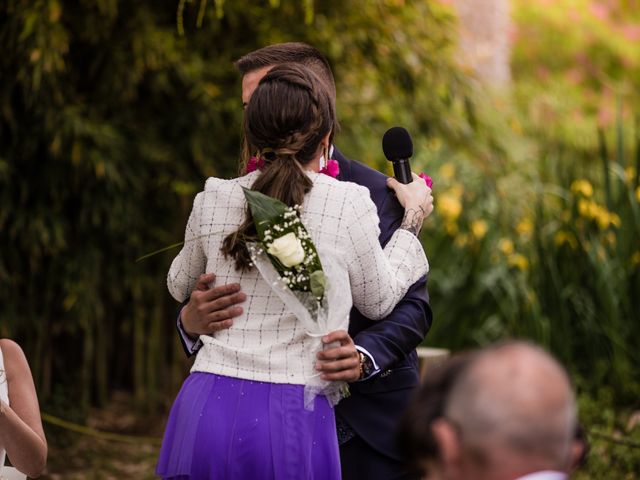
[341, 362]
[211, 309]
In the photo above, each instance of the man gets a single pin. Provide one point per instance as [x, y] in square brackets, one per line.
[504, 413]
[378, 358]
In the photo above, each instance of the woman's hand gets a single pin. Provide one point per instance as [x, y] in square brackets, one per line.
[416, 199]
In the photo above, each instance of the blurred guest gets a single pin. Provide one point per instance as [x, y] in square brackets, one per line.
[504, 413]
[415, 439]
[21, 435]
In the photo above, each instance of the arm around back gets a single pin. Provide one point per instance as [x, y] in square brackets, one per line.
[379, 278]
[21, 432]
[390, 340]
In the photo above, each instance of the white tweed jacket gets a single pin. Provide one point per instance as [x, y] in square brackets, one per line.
[267, 343]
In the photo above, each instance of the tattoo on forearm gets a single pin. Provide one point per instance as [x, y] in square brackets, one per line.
[412, 220]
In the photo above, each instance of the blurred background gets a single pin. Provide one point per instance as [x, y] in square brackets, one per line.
[112, 114]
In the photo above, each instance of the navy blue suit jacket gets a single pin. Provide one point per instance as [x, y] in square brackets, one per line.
[375, 405]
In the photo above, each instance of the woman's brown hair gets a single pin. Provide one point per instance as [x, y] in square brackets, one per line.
[287, 117]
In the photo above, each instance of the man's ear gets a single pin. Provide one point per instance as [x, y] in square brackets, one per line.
[577, 456]
[448, 443]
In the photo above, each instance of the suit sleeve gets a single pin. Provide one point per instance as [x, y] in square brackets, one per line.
[191, 261]
[379, 278]
[390, 340]
[189, 345]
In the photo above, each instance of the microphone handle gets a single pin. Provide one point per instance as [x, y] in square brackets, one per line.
[402, 170]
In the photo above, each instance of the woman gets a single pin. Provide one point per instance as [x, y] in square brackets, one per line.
[240, 413]
[21, 433]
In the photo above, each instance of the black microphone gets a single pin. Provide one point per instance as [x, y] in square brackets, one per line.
[398, 148]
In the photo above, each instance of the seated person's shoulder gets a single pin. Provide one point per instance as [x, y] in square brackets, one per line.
[15, 361]
[9, 347]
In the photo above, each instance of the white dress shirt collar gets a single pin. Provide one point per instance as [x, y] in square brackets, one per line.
[545, 475]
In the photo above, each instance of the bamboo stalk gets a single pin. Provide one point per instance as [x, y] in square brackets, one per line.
[602, 143]
[138, 346]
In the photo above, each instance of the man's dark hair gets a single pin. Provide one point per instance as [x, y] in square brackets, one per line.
[291, 52]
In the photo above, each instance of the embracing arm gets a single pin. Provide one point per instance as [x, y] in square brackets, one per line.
[380, 278]
[208, 310]
[394, 337]
[21, 432]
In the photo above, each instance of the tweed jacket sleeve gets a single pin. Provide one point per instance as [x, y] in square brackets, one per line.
[379, 278]
[191, 261]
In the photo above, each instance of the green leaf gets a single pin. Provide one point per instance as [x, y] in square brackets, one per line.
[265, 209]
[317, 283]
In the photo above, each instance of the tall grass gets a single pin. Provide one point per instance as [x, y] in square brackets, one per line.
[546, 249]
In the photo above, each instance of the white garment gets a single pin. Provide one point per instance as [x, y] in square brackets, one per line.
[267, 343]
[4, 396]
[545, 475]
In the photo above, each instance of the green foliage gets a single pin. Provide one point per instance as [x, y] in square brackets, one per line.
[541, 236]
[111, 121]
[613, 436]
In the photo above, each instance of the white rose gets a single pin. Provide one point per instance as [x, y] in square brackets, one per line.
[288, 249]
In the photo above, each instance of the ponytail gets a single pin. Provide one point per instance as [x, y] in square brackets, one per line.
[283, 178]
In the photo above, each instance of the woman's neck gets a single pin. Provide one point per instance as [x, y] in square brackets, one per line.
[314, 165]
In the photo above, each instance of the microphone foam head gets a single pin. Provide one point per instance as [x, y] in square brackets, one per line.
[396, 143]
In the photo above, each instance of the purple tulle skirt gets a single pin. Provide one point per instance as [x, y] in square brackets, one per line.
[227, 428]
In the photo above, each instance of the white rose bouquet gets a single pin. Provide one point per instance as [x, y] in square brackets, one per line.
[317, 293]
[287, 244]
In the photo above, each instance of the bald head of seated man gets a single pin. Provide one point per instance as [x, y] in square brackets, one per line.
[506, 412]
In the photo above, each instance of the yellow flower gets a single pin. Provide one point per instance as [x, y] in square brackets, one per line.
[449, 206]
[585, 208]
[615, 220]
[451, 228]
[562, 236]
[603, 217]
[635, 259]
[479, 229]
[583, 187]
[519, 261]
[524, 227]
[461, 241]
[638, 194]
[447, 171]
[505, 246]
[629, 175]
